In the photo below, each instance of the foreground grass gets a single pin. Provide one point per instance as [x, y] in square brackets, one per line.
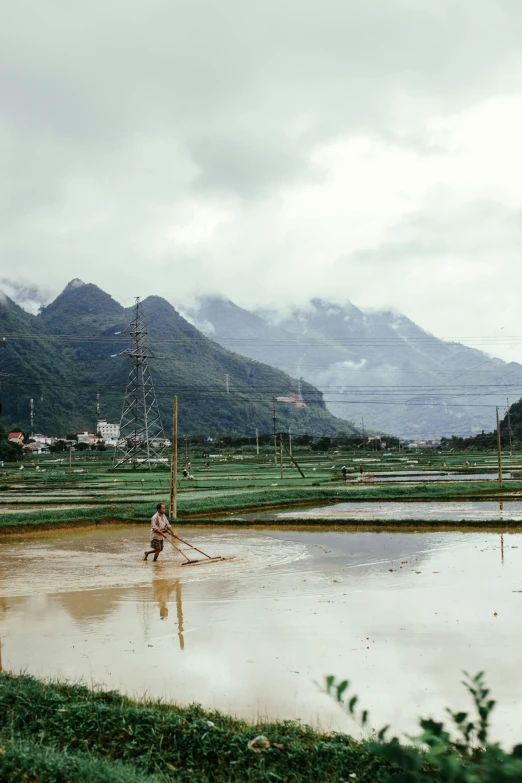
[182, 744]
[21, 762]
[59, 733]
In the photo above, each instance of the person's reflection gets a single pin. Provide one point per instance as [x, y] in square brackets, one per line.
[162, 589]
[179, 609]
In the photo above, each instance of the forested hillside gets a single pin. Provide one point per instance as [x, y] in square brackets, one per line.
[70, 352]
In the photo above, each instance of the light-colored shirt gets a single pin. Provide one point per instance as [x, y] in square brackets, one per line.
[158, 522]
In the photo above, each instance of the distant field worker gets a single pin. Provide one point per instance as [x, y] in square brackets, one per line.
[159, 523]
[344, 472]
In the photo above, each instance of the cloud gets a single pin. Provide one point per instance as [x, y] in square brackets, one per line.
[271, 151]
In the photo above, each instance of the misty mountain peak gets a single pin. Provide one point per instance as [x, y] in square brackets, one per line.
[79, 300]
[5, 301]
[159, 305]
[73, 284]
[216, 303]
[332, 308]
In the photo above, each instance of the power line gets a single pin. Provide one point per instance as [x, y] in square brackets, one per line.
[384, 340]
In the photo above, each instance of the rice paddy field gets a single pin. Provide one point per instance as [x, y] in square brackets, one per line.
[397, 575]
[238, 486]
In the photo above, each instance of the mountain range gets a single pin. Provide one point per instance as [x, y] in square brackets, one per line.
[69, 353]
[377, 369]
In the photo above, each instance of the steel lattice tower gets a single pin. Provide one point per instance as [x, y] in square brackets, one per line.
[142, 441]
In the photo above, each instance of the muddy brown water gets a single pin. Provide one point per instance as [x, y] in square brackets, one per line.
[399, 614]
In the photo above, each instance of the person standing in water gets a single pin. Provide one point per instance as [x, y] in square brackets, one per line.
[159, 523]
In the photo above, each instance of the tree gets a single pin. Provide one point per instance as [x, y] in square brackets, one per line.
[9, 452]
[59, 447]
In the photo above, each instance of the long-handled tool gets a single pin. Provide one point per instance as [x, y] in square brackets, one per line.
[175, 547]
[205, 559]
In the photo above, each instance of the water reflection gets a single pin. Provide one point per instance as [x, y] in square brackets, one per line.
[87, 606]
[162, 589]
[179, 610]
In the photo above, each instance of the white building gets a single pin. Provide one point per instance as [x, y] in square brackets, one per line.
[44, 440]
[86, 437]
[108, 431]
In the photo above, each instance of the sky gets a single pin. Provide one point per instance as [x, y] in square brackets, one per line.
[269, 152]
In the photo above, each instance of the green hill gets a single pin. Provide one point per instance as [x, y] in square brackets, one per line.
[510, 432]
[70, 352]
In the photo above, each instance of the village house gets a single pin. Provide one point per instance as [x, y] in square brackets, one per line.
[107, 431]
[87, 437]
[44, 440]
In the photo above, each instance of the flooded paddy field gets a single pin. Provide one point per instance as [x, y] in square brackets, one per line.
[50, 492]
[399, 614]
[494, 512]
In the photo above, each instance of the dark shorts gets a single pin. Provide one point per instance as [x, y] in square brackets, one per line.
[157, 545]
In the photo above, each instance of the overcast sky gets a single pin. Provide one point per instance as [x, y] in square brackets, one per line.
[270, 152]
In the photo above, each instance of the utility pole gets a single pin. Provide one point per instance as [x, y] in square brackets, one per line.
[275, 431]
[70, 456]
[227, 383]
[281, 455]
[97, 411]
[257, 441]
[289, 440]
[509, 429]
[31, 415]
[362, 419]
[292, 460]
[499, 450]
[141, 432]
[173, 510]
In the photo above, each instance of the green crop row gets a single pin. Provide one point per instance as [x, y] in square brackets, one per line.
[229, 501]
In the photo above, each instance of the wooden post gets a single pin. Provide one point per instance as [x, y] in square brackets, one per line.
[257, 441]
[294, 462]
[174, 461]
[509, 429]
[274, 416]
[281, 455]
[499, 450]
[70, 456]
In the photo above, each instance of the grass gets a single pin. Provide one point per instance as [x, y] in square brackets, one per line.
[226, 502]
[24, 762]
[192, 504]
[60, 733]
[182, 744]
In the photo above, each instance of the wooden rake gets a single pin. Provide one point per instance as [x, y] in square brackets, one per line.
[205, 559]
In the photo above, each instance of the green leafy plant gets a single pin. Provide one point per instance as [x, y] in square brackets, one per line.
[460, 754]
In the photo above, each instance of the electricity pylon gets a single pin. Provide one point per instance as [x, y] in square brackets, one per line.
[142, 441]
